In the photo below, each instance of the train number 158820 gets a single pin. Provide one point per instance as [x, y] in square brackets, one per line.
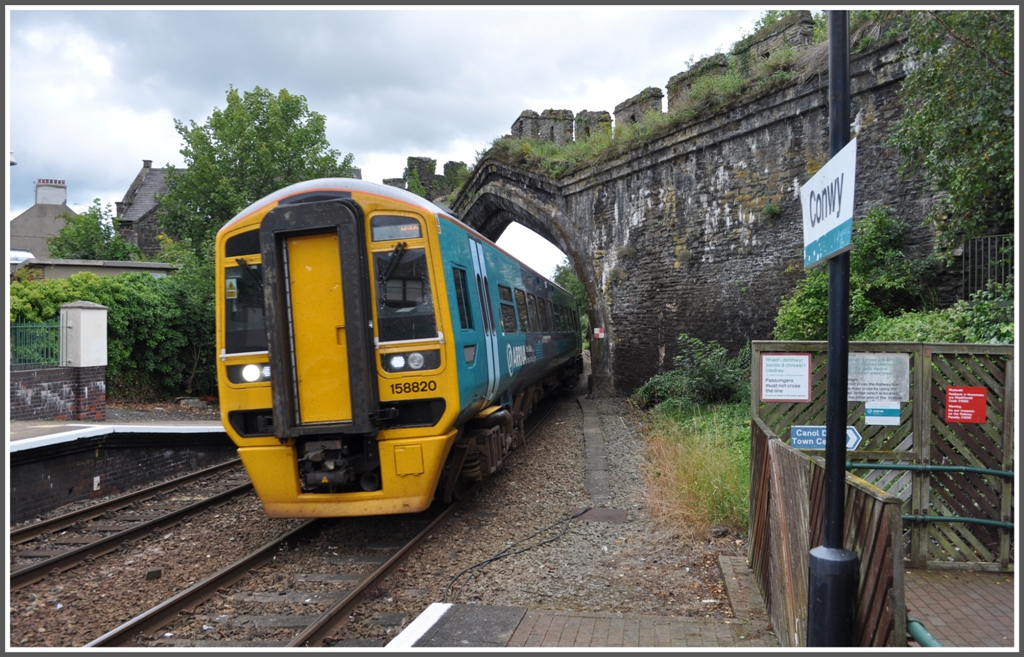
[409, 387]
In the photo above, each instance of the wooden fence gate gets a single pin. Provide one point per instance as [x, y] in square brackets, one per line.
[956, 515]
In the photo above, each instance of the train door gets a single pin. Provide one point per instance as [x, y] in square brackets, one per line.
[489, 329]
[322, 373]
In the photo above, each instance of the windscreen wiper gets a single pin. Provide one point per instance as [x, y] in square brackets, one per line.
[385, 276]
[253, 275]
[396, 257]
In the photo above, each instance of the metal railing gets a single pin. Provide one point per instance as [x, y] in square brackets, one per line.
[986, 259]
[36, 344]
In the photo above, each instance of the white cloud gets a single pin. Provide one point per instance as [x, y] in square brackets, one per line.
[92, 93]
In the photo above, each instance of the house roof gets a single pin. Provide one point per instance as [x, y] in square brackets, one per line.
[140, 199]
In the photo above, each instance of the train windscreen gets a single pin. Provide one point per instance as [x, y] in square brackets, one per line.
[405, 304]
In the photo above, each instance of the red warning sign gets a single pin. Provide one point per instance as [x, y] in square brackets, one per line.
[966, 404]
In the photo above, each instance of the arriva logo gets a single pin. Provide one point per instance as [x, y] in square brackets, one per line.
[516, 357]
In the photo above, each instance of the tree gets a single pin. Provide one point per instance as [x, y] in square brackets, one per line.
[566, 277]
[259, 143]
[957, 126]
[91, 235]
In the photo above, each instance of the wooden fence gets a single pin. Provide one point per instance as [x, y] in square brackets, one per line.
[924, 437]
[786, 485]
[786, 510]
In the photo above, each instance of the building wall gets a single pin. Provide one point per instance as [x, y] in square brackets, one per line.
[31, 228]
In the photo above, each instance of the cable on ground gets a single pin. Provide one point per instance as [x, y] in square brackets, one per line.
[506, 553]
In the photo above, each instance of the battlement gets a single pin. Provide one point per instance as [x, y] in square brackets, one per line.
[794, 31]
[423, 170]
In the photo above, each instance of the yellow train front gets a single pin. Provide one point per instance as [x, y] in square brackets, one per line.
[375, 352]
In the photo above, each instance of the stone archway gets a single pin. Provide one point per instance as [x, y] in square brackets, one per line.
[498, 194]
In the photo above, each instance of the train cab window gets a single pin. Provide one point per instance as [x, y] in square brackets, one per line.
[534, 317]
[462, 297]
[385, 228]
[245, 329]
[405, 304]
[524, 318]
[508, 311]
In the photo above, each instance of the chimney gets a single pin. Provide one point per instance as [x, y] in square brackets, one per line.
[51, 192]
[147, 164]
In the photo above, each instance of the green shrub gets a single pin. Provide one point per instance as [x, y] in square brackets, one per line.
[884, 282]
[704, 374]
[987, 317]
[160, 331]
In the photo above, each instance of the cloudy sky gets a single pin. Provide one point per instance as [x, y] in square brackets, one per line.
[92, 93]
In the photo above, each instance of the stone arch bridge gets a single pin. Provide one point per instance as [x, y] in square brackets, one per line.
[700, 230]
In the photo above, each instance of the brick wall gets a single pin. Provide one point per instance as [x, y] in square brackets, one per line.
[46, 478]
[59, 393]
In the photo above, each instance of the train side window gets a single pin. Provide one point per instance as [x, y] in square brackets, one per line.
[534, 317]
[508, 311]
[545, 323]
[550, 316]
[462, 297]
[524, 318]
[560, 317]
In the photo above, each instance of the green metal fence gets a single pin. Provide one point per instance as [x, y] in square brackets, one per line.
[35, 344]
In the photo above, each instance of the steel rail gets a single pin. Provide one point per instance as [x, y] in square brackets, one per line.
[67, 560]
[27, 533]
[334, 618]
[159, 615]
[319, 630]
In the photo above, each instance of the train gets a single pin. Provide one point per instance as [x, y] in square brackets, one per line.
[376, 354]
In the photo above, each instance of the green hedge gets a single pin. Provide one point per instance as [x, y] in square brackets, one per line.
[160, 331]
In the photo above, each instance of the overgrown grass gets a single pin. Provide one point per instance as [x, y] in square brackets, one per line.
[698, 467]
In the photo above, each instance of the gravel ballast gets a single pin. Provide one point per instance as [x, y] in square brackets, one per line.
[626, 563]
[632, 567]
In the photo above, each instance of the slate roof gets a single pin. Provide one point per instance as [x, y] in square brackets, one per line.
[140, 199]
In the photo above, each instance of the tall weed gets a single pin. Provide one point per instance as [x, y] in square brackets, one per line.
[698, 467]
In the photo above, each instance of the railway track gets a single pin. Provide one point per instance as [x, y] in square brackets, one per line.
[298, 590]
[65, 541]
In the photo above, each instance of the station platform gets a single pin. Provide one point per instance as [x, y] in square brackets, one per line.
[28, 434]
[481, 626]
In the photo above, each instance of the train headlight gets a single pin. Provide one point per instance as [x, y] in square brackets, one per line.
[411, 361]
[251, 373]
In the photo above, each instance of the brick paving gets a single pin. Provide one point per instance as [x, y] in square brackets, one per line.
[963, 608]
[544, 628]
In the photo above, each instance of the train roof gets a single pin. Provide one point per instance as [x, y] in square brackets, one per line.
[366, 187]
[343, 185]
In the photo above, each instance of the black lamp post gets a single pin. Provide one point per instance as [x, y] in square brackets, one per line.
[832, 581]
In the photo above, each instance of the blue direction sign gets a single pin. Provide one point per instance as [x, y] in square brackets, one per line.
[813, 437]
